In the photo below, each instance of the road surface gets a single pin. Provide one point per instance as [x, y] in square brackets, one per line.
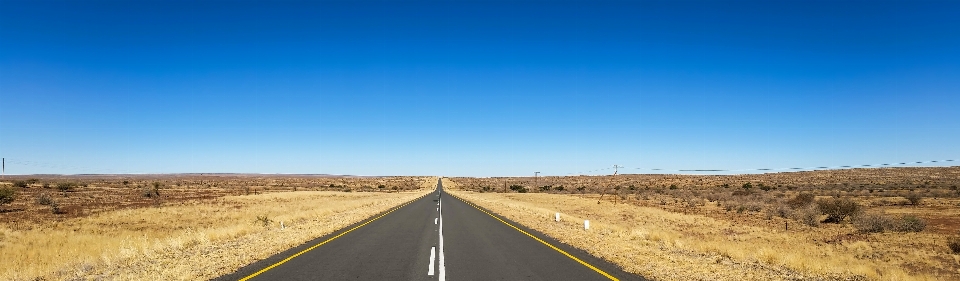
[436, 237]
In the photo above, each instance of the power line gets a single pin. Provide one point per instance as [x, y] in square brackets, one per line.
[792, 169]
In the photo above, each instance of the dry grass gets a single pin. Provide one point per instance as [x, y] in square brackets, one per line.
[185, 240]
[666, 245]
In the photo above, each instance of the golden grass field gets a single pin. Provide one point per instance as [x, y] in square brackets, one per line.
[189, 239]
[699, 230]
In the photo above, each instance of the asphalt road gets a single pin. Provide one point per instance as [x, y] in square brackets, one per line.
[436, 237]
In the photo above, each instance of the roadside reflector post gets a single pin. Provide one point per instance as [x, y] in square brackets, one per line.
[282, 226]
[586, 224]
[557, 217]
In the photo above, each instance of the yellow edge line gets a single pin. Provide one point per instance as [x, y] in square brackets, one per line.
[544, 242]
[324, 242]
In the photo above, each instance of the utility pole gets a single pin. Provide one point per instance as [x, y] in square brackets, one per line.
[615, 167]
[4, 173]
[535, 181]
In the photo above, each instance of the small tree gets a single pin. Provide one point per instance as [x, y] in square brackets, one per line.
[838, 209]
[914, 198]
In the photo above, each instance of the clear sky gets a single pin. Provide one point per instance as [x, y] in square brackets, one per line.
[481, 88]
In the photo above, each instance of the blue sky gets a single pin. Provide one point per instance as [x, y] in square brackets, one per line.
[480, 88]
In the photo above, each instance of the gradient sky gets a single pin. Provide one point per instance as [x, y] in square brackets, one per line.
[480, 88]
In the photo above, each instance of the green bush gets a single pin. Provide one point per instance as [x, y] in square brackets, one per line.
[20, 184]
[558, 188]
[838, 209]
[7, 195]
[66, 186]
[518, 188]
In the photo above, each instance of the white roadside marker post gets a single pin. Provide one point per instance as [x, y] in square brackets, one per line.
[557, 215]
[282, 226]
[586, 224]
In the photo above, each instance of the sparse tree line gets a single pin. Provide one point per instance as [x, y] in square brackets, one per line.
[808, 201]
[152, 189]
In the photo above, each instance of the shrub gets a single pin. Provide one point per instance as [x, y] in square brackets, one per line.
[747, 185]
[66, 186]
[809, 216]
[779, 211]
[518, 188]
[7, 195]
[580, 189]
[673, 186]
[263, 220]
[742, 192]
[800, 200]
[149, 192]
[954, 244]
[545, 188]
[55, 208]
[20, 184]
[558, 188]
[753, 206]
[914, 198]
[45, 199]
[910, 223]
[838, 209]
[872, 223]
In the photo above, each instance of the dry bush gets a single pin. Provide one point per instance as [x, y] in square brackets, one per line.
[779, 210]
[910, 223]
[809, 216]
[44, 199]
[872, 223]
[954, 244]
[801, 200]
[878, 223]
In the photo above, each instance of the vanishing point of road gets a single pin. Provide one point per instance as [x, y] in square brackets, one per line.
[435, 237]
